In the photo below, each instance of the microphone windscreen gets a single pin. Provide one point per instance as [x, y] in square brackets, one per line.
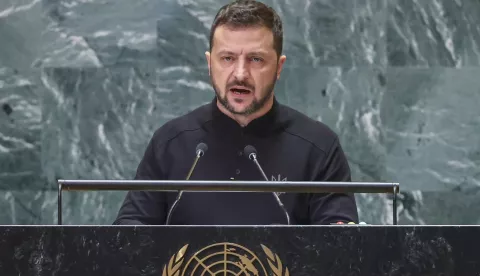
[249, 149]
[202, 147]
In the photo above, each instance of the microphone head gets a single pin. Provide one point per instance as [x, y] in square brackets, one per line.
[250, 152]
[201, 149]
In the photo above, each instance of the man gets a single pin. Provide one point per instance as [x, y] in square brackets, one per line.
[244, 62]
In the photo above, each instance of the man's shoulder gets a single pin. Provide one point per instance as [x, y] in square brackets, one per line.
[307, 129]
[188, 122]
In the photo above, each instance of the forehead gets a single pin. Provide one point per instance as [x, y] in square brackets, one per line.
[242, 39]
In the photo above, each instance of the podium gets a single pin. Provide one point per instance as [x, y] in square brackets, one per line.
[279, 250]
[239, 250]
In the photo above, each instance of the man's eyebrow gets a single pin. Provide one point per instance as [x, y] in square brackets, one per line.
[257, 52]
[226, 52]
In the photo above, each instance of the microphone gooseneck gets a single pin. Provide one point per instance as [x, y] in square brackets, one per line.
[200, 151]
[251, 153]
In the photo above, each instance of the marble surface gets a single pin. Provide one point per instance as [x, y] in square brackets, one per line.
[83, 85]
[330, 250]
[433, 33]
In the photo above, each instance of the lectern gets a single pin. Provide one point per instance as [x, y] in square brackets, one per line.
[238, 250]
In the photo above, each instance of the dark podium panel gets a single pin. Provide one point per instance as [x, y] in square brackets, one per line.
[233, 250]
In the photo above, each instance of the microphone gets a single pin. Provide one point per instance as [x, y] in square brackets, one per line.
[251, 153]
[200, 151]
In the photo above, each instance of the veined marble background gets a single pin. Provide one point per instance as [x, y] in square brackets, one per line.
[83, 85]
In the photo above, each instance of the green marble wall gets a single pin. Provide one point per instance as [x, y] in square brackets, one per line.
[83, 85]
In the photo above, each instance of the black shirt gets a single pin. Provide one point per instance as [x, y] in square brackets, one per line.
[290, 146]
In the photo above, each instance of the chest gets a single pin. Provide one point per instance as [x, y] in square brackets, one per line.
[280, 157]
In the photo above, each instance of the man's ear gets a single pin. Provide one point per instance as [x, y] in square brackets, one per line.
[207, 55]
[281, 61]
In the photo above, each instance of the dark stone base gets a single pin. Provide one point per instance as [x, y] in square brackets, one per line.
[330, 250]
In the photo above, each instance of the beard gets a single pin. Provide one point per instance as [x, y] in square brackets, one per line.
[253, 107]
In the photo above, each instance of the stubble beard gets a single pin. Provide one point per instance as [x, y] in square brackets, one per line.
[253, 107]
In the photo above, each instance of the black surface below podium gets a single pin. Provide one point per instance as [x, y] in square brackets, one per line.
[240, 250]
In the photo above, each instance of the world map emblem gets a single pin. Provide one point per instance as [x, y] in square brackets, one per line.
[224, 259]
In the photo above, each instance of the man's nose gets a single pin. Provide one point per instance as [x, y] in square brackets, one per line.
[241, 70]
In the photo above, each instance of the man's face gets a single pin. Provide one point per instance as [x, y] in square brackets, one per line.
[244, 67]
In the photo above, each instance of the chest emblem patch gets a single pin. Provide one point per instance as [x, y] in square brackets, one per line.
[279, 178]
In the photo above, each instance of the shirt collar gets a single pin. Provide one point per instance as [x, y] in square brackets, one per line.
[262, 125]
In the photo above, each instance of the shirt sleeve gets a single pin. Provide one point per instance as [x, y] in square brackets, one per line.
[144, 207]
[329, 208]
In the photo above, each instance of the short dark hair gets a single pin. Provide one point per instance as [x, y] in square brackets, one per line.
[249, 13]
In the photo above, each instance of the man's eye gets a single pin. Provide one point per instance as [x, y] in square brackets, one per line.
[227, 58]
[256, 59]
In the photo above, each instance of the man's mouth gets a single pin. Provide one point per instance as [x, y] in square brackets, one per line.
[240, 90]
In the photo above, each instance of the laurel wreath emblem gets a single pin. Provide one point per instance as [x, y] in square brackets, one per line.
[173, 268]
[175, 263]
[275, 263]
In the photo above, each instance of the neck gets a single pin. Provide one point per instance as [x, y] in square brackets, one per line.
[244, 120]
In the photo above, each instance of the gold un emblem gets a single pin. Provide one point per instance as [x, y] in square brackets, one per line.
[224, 259]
